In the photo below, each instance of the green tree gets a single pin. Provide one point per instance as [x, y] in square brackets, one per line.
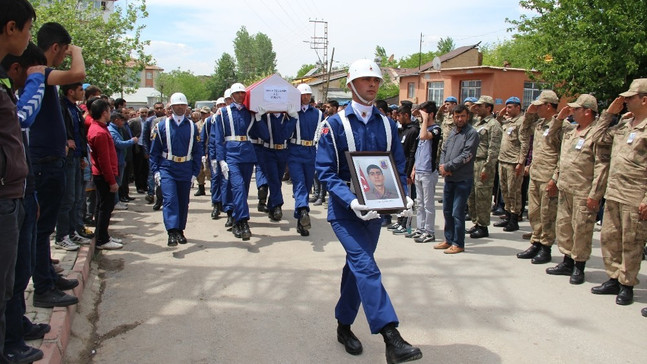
[224, 75]
[112, 48]
[305, 69]
[445, 45]
[193, 87]
[517, 52]
[415, 59]
[388, 88]
[383, 58]
[586, 46]
[255, 57]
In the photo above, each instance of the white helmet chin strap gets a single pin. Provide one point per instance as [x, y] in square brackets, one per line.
[352, 86]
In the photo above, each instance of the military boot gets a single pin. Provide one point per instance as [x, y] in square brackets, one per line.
[513, 223]
[230, 220]
[217, 208]
[543, 256]
[612, 286]
[201, 191]
[504, 222]
[173, 238]
[625, 296]
[276, 214]
[235, 229]
[303, 222]
[262, 198]
[245, 233]
[578, 273]
[530, 252]
[351, 343]
[565, 268]
[398, 350]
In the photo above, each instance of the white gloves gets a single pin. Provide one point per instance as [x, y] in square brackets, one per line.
[224, 168]
[158, 178]
[409, 203]
[259, 113]
[214, 165]
[409, 211]
[204, 159]
[293, 111]
[358, 209]
[193, 179]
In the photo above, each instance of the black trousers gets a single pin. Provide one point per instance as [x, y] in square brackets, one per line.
[105, 205]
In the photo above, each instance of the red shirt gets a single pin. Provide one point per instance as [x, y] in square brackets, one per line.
[102, 152]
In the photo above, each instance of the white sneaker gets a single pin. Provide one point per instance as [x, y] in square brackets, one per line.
[110, 245]
[121, 206]
[78, 239]
[116, 240]
[66, 244]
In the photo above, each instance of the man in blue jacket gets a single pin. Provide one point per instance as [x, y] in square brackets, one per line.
[361, 127]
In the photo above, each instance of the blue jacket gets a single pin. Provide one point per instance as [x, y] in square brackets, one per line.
[120, 144]
[233, 151]
[331, 157]
[180, 140]
[31, 97]
[306, 126]
[276, 130]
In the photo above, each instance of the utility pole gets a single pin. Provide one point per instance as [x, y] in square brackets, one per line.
[325, 95]
[318, 42]
[420, 53]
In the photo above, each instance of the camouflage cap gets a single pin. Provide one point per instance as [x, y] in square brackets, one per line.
[638, 86]
[546, 96]
[484, 99]
[586, 101]
[205, 109]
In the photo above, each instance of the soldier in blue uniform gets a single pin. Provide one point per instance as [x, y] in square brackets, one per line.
[176, 154]
[236, 157]
[302, 150]
[259, 168]
[275, 130]
[216, 176]
[361, 127]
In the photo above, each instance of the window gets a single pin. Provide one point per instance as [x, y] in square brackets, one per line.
[471, 88]
[411, 90]
[149, 75]
[531, 91]
[435, 92]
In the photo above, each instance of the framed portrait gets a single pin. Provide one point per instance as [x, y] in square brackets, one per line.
[376, 182]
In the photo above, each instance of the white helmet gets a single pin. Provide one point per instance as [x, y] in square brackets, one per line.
[178, 98]
[363, 68]
[228, 93]
[237, 87]
[221, 100]
[304, 88]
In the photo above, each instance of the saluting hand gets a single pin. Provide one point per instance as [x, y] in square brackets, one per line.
[617, 105]
[642, 209]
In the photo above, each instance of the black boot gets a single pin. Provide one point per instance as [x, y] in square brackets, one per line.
[245, 233]
[625, 296]
[530, 252]
[158, 199]
[351, 343]
[612, 286]
[481, 232]
[236, 230]
[504, 222]
[276, 214]
[472, 229]
[398, 350]
[230, 220]
[217, 208]
[564, 268]
[543, 256]
[303, 222]
[513, 223]
[173, 238]
[262, 198]
[200, 191]
[181, 237]
[578, 273]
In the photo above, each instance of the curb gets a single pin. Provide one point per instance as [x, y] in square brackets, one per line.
[55, 342]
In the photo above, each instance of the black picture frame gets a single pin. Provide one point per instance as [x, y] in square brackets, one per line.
[392, 198]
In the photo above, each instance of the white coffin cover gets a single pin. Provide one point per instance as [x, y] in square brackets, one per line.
[273, 93]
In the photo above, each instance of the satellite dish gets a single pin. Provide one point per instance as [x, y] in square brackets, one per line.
[435, 63]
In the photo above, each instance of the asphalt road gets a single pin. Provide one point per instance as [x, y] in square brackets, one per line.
[271, 299]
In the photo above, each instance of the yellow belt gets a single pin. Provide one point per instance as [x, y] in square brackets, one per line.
[236, 138]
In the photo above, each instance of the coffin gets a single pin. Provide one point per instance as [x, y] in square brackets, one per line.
[272, 93]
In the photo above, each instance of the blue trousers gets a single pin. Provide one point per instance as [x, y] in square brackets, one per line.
[176, 201]
[361, 280]
[67, 220]
[261, 178]
[24, 267]
[50, 187]
[302, 175]
[455, 196]
[216, 184]
[240, 176]
[275, 161]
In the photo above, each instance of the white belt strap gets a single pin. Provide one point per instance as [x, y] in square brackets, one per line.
[169, 147]
[387, 128]
[231, 123]
[350, 138]
[298, 138]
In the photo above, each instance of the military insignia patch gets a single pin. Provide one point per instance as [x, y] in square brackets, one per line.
[324, 130]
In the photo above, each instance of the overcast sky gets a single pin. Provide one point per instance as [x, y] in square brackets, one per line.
[193, 34]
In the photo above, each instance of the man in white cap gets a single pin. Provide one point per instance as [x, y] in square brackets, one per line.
[176, 155]
[624, 228]
[361, 127]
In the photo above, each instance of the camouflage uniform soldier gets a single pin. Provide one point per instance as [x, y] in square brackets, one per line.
[512, 157]
[542, 193]
[581, 180]
[624, 228]
[487, 154]
[444, 117]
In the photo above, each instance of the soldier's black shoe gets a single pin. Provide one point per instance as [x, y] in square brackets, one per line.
[504, 220]
[215, 213]
[472, 229]
[498, 211]
[301, 230]
[201, 191]
[578, 273]
[304, 218]
[530, 252]
[351, 343]
[245, 233]
[149, 199]
[276, 214]
[612, 286]
[173, 238]
[157, 205]
[181, 238]
[230, 220]
[262, 207]
[513, 224]
[262, 198]
[236, 230]
[625, 296]
[543, 256]
[564, 268]
[398, 350]
[480, 232]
